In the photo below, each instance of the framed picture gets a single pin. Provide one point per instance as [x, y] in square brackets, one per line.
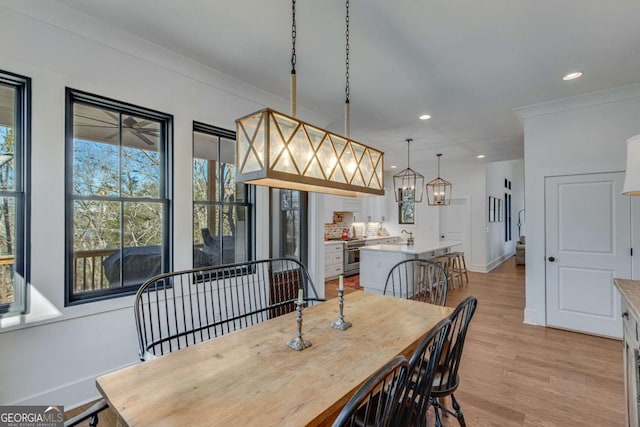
[406, 213]
[492, 210]
[500, 210]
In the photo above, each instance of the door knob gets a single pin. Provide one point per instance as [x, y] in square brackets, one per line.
[625, 315]
[442, 237]
[551, 259]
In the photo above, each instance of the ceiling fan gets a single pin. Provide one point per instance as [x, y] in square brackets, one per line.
[137, 128]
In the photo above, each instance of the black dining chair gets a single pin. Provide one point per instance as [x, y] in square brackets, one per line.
[90, 414]
[418, 279]
[367, 404]
[446, 379]
[416, 397]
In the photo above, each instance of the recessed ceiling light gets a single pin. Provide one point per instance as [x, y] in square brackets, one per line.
[393, 167]
[425, 117]
[480, 156]
[572, 76]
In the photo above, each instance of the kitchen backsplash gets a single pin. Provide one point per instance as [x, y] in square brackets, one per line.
[334, 230]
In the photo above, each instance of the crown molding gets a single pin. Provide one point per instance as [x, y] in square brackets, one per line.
[590, 99]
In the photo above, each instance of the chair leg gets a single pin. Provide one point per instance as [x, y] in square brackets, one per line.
[436, 411]
[443, 404]
[464, 267]
[458, 414]
[93, 422]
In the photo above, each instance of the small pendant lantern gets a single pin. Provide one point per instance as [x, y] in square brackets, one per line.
[438, 190]
[408, 184]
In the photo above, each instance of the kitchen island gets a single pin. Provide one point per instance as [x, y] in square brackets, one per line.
[376, 261]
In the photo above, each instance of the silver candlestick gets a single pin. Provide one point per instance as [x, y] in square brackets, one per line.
[299, 344]
[340, 323]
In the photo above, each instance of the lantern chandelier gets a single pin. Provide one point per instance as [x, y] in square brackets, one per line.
[277, 150]
[408, 184]
[438, 189]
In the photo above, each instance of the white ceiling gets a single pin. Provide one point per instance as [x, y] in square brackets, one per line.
[468, 63]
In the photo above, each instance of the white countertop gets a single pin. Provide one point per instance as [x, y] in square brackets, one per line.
[418, 248]
[366, 239]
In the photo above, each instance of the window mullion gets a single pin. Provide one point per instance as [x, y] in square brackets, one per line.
[108, 137]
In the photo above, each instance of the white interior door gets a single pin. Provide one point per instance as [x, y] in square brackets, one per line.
[587, 244]
[454, 224]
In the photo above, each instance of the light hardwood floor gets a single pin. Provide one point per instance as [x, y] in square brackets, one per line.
[514, 374]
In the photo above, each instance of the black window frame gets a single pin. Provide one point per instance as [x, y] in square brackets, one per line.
[73, 96]
[22, 191]
[249, 191]
[303, 209]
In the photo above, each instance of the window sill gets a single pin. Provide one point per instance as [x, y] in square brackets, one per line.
[43, 312]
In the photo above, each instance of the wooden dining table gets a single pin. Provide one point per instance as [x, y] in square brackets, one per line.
[250, 377]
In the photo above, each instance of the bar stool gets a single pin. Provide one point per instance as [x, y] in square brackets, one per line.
[455, 272]
[445, 261]
[459, 266]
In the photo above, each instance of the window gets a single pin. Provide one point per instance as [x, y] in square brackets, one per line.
[289, 224]
[118, 196]
[222, 209]
[15, 93]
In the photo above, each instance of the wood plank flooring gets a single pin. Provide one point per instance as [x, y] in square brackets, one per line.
[514, 374]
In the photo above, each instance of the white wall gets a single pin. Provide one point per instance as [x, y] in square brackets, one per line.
[498, 250]
[53, 354]
[468, 181]
[583, 134]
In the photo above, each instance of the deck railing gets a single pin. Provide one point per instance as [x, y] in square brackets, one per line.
[6, 279]
[88, 269]
[88, 272]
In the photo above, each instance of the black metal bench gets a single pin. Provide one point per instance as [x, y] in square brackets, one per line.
[176, 310]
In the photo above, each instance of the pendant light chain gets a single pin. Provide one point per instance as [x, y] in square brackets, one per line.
[294, 30]
[347, 105]
[409, 152]
[346, 89]
[293, 36]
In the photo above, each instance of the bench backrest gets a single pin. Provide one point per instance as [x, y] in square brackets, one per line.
[176, 310]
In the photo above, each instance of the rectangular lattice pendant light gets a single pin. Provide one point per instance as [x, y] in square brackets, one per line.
[277, 150]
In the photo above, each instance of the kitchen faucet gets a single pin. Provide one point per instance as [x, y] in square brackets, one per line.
[410, 240]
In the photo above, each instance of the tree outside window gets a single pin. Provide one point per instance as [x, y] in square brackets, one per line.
[118, 207]
[222, 208]
[14, 230]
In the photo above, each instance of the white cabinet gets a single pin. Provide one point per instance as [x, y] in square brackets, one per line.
[629, 291]
[374, 209]
[630, 357]
[353, 204]
[381, 240]
[342, 204]
[333, 259]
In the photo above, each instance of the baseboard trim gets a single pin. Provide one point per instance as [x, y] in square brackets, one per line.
[477, 268]
[493, 264]
[70, 395]
[534, 317]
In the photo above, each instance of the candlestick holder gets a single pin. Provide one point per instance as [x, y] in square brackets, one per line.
[340, 323]
[299, 344]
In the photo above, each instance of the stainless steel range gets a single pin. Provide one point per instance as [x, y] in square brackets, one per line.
[352, 256]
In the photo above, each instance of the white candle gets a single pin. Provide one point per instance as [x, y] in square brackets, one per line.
[341, 286]
[300, 297]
